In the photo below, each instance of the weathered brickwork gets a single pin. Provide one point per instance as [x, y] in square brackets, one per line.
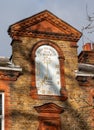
[74, 116]
[78, 108]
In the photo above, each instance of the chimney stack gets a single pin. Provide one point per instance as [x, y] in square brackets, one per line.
[87, 47]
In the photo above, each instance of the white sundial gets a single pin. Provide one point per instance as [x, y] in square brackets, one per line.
[47, 71]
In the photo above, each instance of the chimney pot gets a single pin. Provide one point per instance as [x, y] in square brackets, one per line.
[87, 47]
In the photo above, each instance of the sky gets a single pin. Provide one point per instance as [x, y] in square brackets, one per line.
[71, 11]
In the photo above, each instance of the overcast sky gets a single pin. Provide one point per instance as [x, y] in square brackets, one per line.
[71, 11]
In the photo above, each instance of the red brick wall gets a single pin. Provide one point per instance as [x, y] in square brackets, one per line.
[5, 88]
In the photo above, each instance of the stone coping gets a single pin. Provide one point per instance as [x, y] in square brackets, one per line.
[6, 64]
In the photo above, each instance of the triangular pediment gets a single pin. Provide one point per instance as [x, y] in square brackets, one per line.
[49, 108]
[44, 25]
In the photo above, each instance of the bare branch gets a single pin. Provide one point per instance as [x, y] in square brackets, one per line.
[90, 18]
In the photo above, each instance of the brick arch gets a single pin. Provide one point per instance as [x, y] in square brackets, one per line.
[50, 43]
[62, 76]
[5, 88]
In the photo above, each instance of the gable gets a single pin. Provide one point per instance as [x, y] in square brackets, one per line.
[44, 25]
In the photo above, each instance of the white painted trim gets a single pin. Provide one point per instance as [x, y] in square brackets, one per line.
[9, 68]
[86, 67]
[2, 116]
[79, 73]
[87, 75]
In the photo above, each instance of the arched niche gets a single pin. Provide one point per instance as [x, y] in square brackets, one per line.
[48, 79]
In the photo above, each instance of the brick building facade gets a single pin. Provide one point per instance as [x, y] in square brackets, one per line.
[45, 85]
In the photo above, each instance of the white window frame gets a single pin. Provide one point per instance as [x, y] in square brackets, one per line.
[2, 116]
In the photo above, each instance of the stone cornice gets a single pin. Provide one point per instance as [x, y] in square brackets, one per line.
[45, 35]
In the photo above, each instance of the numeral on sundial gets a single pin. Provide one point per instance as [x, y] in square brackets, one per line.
[57, 66]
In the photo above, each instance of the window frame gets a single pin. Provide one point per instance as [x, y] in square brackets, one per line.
[2, 116]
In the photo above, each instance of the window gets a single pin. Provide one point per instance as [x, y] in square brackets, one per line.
[1, 111]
